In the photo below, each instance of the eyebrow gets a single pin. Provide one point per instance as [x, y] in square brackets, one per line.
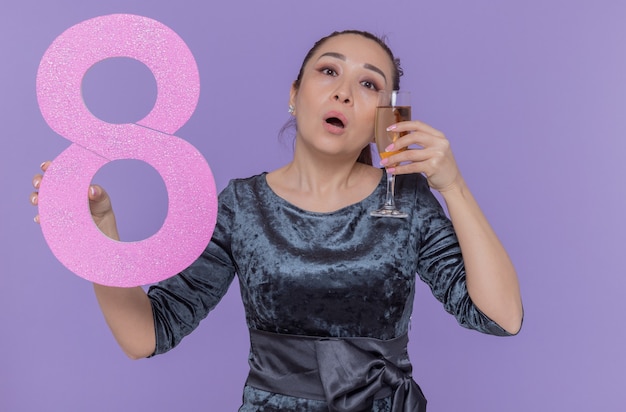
[365, 65]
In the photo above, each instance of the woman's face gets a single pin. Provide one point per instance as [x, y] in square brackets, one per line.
[336, 101]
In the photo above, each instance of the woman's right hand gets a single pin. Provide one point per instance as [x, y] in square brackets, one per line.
[128, 311]
[99, 204]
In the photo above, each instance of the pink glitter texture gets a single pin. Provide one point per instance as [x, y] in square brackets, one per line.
[63, 205]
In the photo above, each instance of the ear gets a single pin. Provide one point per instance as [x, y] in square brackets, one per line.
[292, 94]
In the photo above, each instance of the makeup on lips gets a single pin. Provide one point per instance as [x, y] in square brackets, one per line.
[335, 122]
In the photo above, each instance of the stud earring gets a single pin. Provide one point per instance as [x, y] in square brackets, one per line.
[292, 109]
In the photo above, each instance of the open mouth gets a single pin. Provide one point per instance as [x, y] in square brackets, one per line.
[335, 121]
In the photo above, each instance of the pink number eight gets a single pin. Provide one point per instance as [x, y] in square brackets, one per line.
[63, 205]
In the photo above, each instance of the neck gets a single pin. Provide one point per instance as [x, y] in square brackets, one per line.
[322, 182]
[323, 173]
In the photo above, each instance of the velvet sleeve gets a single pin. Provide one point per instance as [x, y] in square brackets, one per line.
[182, 301]
[441, 267]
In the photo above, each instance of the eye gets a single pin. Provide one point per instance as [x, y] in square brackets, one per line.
[370, 85]
[328, 71]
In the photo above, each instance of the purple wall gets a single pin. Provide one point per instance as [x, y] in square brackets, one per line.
[532, 96]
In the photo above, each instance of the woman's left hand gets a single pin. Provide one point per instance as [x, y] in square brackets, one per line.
[491, 278]
[433, 157]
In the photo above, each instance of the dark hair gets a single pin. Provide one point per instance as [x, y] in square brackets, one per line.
[379, 40]
[366, 154]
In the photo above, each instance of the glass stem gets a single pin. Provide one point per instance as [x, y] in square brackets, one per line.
[391, 188]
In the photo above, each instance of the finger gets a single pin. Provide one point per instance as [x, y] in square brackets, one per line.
[94, 192]
[44, 166]
[422, 166]
[415, 125]
[408, 157]
[417, 138]
[37, 181]
[34, 198]
[97, 193]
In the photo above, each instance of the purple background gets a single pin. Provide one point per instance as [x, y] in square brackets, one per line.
[532, 96]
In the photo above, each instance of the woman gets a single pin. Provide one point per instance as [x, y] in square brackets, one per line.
[328, 308]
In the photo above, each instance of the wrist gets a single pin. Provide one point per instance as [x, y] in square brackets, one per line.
[457, 186]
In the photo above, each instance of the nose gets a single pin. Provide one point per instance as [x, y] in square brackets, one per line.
[343, 94]
[342, 98]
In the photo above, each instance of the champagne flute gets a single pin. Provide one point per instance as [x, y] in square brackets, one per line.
[393, 106]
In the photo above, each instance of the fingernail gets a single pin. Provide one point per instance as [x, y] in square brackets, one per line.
[92, 190]
[391, 170]
[389, 148]
[383, 162]
[392, 127]
[33, 199]
[36, 219]
[41, 165]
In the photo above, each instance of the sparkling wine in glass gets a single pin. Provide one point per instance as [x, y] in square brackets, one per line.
[393, 107]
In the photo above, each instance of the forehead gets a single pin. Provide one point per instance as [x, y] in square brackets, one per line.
[357, 49]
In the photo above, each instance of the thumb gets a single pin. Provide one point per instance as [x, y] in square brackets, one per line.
[99, 201]
[96, 193]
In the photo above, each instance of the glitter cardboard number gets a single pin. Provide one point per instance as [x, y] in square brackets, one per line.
[63, 205]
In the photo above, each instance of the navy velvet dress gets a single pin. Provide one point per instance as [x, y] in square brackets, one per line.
[338, 274]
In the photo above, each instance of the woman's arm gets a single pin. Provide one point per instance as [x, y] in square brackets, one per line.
[127, 311]
[491, 278]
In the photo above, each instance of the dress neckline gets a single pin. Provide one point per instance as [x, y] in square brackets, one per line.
[285, 202]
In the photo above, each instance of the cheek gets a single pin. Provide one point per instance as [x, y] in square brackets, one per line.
[369, 121]
[367, 129]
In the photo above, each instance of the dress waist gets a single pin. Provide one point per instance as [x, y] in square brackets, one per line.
[347, 373]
